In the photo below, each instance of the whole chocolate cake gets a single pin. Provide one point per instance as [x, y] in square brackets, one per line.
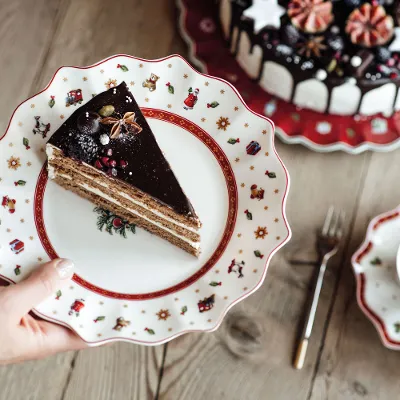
[339, 57]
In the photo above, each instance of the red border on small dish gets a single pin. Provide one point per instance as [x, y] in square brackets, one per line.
[361, 278]
[226, 168]
[267, 258]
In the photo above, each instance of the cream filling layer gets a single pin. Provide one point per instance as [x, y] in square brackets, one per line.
[51, 171]
[98, 192]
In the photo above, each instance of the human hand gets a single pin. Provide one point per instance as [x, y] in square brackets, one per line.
[22, 337]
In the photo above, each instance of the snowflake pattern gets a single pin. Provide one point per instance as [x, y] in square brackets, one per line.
[223, 123]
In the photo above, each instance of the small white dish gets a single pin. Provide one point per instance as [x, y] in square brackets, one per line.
[376, 267]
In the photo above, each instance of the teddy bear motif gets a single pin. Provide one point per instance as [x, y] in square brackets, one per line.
[151, 82]
[121, 323]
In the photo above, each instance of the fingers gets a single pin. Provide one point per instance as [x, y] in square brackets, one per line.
[18, 300]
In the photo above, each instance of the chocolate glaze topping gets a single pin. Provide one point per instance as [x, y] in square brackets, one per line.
[137, 157]
[276, 47]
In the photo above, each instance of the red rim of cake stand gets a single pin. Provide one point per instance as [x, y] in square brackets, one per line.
[208, 50]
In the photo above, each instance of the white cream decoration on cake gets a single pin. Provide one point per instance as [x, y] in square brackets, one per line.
[323, 128]
[313, 94]
[379, 126]
[395, 45]
[276, 79]
[345, 99]
[265, 13]
[249, 60]
[379, 100]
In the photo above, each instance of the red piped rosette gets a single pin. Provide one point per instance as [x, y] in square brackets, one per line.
[320, 132]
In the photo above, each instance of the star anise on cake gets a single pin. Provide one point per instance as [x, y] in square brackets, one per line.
[127, 121]
[370, 26]
[310, 16]
[313, 46]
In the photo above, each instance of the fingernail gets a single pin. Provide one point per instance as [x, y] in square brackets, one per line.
[64, 268]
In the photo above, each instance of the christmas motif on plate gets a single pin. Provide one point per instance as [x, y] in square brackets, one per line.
[206, 304]
[17, 270]
[123, 68]
[223, 123]
[151, 83]
[121, 323]
[149, 331]
[14, 163]
[17, 246]
[258, 254]
[184, 310]
[113, 223]
[249, 215]
[237, 268]
[376, 261]
[20, 182]
[111, 83]
[215, 283]
[9, 204]
[213, 104]
[41, 128]
[261, 232]
[58, 294]
[191, 99]
[76, 307]
[170, 88]
[233, 140]
[74, 97]
[52, 101]
[253, 148]
[163, 314]
[25, 142]
[256, 192]
[99, 318]
[270, 174]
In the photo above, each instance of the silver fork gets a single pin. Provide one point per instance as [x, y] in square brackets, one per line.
[327, 244]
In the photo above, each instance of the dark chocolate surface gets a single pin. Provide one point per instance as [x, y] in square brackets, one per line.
[146, 169]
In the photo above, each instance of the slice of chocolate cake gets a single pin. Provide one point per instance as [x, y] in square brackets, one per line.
[106, 152]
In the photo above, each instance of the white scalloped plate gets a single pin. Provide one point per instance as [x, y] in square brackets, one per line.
[378, 286]
[154, 290]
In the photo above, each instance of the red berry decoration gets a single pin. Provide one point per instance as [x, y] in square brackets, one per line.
[98, 164]
[123, 164]
[370, 26]
[310, 16]
[112, 163]
[104, 161]
[117, 223]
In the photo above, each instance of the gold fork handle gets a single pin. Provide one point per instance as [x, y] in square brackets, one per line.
[301, 354]
[302, 350]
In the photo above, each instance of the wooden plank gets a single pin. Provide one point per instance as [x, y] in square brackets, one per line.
[95, 29]
[89, 32]
[114, 372]
[36, 380]
[25, 34]
[354, 363]
[250, 356]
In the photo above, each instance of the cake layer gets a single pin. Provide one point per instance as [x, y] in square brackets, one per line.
[109, 191]
[57, 158]
[111, 204]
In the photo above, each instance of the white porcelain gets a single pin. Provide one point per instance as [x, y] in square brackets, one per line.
[143, 279]
[378, 288]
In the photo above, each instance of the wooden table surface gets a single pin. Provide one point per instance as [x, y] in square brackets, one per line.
[250, 356]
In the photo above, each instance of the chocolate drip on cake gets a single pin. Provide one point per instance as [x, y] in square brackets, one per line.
[341, 61]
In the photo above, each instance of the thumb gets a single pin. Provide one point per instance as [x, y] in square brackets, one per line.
[41, 284]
